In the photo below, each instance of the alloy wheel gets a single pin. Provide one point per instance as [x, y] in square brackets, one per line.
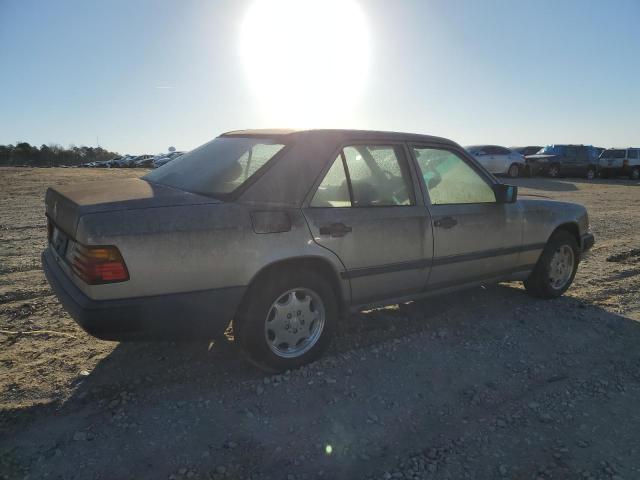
[561, 267]
[294, 322]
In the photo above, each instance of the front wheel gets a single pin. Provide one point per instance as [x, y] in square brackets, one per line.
[635, 173]
[556, 268]
[288, 320]
[591, 173]
[554, 171]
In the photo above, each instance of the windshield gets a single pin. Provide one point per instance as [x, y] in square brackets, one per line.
[551, 150]
[217, 167]
[614, 154]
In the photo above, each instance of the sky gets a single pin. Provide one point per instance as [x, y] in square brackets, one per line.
[139, 76]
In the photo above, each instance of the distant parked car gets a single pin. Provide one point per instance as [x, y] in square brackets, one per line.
[616, 162]
[499, 160]
[565, 160]
[143, 161]
[530, 150]
[158, 162]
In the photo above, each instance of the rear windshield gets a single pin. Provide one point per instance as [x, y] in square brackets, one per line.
[218, 167]
[614, 154]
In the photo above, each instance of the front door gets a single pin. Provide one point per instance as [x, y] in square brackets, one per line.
[475, 237]
[365, 211]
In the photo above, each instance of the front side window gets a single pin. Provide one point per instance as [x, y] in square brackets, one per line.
[571, 152]
[218, 167]
[450, 180]
[366, 176]
[633, 154]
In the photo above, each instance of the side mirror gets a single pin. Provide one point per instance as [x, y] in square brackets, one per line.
[505, 193]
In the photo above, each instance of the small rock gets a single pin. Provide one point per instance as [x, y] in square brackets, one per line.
[259, 390]
[79, 436]
[545, 418]
[221, 469]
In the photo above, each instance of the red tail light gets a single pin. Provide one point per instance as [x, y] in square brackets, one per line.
[96, 265]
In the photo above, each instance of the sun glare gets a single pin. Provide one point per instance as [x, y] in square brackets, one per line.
[306, 60]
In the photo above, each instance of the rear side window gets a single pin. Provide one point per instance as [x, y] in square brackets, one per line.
[366, 176]
[633, 154]
[334, 190]
[377, 176]
[614, 154]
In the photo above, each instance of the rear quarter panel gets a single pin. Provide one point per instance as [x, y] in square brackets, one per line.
[195, 247]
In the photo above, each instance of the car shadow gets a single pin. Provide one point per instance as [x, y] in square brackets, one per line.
[153, 381]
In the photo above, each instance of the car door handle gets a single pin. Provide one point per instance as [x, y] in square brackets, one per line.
[335, 229]
[445, 222]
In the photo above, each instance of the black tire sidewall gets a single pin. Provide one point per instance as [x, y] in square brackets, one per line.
[540, 275]
[517, 170]
[260, 298]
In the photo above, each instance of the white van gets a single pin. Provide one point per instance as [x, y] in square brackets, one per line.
[618, 162]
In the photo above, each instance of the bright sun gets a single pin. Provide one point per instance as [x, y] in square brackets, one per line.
[306, 60]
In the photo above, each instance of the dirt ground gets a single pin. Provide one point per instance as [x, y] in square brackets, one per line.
[491, 383]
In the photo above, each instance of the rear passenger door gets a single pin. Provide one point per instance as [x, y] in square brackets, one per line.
[365, 210]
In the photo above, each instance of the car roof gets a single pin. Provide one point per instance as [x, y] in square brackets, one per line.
[336, 134]
[470, 147]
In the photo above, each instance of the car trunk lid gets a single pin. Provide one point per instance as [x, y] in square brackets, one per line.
[65, 204]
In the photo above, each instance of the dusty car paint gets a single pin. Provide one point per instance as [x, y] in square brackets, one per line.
[179, 242]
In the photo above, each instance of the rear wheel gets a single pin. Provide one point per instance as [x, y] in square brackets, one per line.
[556, 268]
[514, 170]
[591, 173]
[554, 171]
[288, 320]
[635, 173]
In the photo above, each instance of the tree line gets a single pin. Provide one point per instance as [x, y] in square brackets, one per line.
[52, 155]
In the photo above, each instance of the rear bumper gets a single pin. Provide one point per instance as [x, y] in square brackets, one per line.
[189, 315]
[586, 241]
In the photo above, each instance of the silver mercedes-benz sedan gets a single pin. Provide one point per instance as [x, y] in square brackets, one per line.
[285, 232]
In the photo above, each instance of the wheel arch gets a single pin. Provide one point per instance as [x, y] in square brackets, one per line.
[316, 263]
[570, 227]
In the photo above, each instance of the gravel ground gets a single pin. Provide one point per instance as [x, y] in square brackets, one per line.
[488, 383]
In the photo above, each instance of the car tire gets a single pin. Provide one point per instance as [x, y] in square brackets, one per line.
[554, 171]
[292, 305]
[591, 173]
[556, 267]
[513, 171]
[635, 173]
